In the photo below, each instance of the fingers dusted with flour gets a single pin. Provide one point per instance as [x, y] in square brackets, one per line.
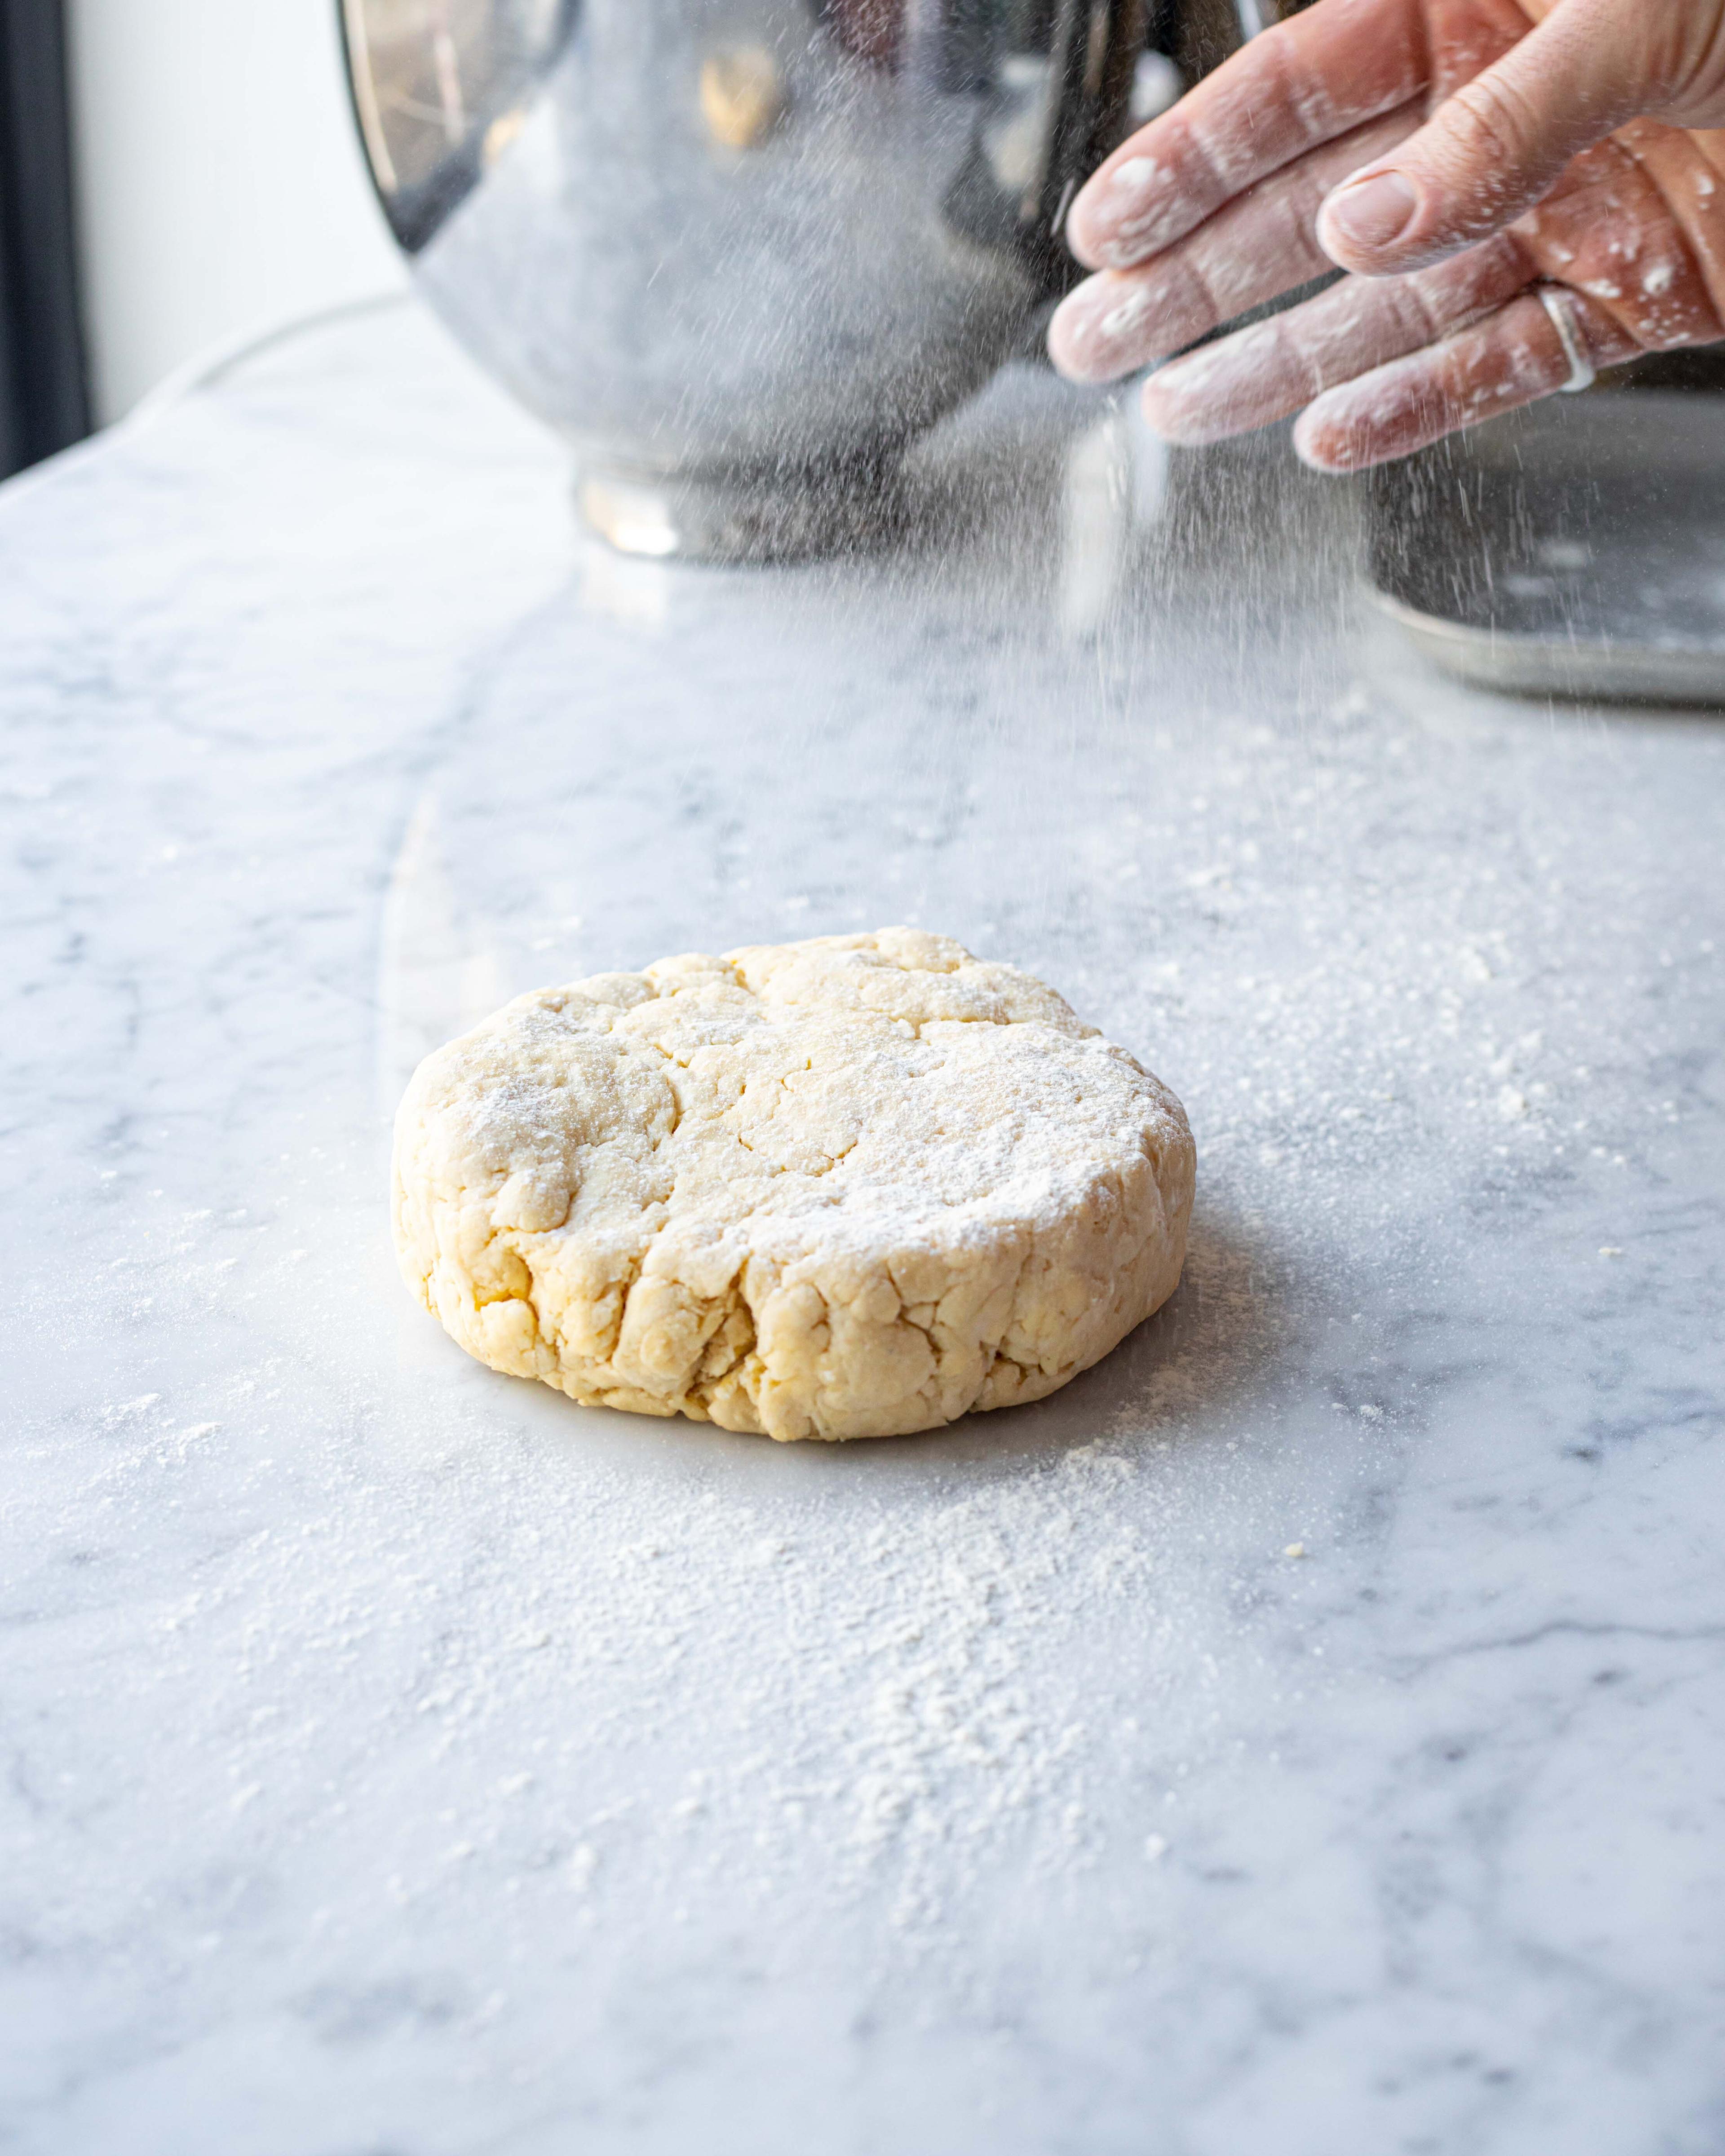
[1633, 240]
[1493, 148]
[1271, 370]
[1513, 357]
[1249, 253]
[1452, 155]
[1292, 91]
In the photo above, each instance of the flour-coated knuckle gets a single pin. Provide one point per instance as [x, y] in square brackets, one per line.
[851, 1187]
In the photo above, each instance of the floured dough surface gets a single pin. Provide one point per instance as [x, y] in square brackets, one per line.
[847, 1188]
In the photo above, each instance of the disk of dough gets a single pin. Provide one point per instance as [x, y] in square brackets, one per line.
[852, 1186]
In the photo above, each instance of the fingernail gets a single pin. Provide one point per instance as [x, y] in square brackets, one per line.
[1371, 211]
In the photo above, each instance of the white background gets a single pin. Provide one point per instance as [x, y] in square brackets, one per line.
[220, 182]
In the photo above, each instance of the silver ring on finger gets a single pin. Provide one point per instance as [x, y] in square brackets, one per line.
[1560, 307]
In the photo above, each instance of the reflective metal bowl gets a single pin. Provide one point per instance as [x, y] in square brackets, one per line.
[740, 252]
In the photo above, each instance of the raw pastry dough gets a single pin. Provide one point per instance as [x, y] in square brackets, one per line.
[847, 1188]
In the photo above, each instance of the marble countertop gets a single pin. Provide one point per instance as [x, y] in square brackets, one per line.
[400, 1759]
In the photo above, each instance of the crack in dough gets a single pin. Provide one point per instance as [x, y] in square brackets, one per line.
[854, 1187]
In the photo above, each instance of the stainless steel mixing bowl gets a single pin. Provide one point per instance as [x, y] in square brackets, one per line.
[740, 252]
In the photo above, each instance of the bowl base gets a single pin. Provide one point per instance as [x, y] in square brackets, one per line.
[742, 516]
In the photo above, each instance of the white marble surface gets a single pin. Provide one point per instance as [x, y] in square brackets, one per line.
[401, 1762]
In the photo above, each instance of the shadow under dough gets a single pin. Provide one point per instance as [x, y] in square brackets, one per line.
[1216, 1339]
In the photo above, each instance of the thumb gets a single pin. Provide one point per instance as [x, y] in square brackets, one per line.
[1490, 151]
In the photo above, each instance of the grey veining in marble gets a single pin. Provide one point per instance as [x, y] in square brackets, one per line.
[399, 1759]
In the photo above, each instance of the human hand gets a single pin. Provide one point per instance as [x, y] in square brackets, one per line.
[1459, 158]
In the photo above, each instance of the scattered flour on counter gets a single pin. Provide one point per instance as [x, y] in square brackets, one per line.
[654, 1686]
[919, 1679]
[954, 1740]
